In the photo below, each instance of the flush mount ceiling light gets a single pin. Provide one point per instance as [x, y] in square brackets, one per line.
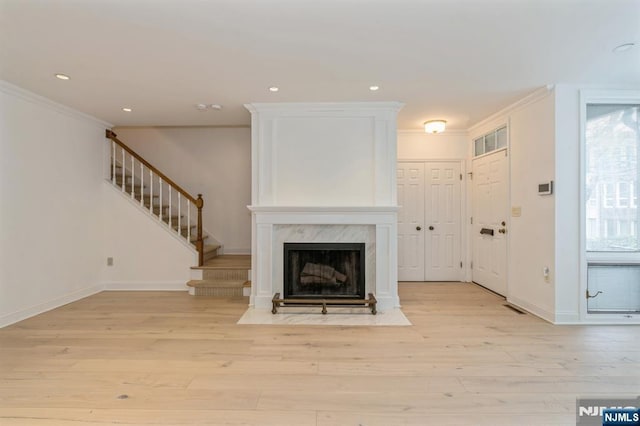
[201, 107]
[623, 47]
[374, 88]
[125, 109]
[216, 107]
[62, 76]
[273, 89]
[435, 126]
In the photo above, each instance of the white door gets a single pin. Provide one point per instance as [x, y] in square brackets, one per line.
[490, 215]
[429, 221]
[443, 222]
[411, 221]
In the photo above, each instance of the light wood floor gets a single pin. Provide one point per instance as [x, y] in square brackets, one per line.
[168, 358]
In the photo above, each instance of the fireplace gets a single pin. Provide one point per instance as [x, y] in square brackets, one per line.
[324, 270]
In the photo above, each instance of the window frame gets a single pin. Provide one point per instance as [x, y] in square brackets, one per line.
[590, 97]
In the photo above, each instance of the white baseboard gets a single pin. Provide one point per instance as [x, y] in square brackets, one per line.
[146, 286]
[568, 318]
[533, 309]
[40, 308]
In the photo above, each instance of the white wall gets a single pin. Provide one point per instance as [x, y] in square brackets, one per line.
[414, 145]
[215, 162]
[532, 236]
[324, 154]
[51, 204]
[146, 256]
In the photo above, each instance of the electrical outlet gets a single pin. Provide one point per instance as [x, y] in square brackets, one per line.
[109, 261]
[545, 273]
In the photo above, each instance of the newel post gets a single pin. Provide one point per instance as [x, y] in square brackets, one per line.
[199, 242]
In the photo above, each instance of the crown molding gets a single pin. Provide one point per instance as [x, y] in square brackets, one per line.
[527, 100]
[12, 89]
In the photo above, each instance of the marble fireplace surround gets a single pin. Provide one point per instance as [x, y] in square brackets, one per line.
[374, 226]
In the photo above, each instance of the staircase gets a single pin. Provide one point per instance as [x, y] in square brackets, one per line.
[181, 214]
[178, 210]
[223, 276]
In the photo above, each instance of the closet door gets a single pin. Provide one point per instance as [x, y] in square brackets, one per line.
[411, 221]
[443, 224]
[429, 221]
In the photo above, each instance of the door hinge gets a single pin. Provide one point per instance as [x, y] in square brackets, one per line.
[472, 264]
[461, 264]
[472, 220]
[470, 175]
[460, 176]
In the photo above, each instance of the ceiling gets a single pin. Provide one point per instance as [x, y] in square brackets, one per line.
[460, 60]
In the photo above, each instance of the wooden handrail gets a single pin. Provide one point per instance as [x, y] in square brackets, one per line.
[111, 135]
[198, 202]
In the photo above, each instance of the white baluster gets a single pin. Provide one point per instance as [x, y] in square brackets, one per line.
[160, 194]
[141, 184]
[189, 220]
[123, 168]
[179, 211]
[150, 191]
[133, 176]
[113, 162]
[170, 188]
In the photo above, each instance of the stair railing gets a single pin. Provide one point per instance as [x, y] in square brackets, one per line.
[133, 175]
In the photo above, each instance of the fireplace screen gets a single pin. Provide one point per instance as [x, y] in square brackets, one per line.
[317, 270]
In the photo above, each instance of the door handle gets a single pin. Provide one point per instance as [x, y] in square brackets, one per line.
[431, 228]
[502, 231]
[418, 228]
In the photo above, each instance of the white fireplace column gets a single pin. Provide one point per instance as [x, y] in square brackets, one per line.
[324, 172]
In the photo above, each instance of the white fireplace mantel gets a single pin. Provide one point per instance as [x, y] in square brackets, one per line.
[313, 224]
[324, 172]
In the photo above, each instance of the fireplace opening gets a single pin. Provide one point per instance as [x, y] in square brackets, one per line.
[323, 270]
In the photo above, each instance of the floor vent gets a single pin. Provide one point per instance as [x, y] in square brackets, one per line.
[514, 309]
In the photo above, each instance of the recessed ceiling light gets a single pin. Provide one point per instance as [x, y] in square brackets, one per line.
[127, 109]
[201, 107]
[373, 88]
[217, 107]
[62, 76]
[273, 89]
[623, 47]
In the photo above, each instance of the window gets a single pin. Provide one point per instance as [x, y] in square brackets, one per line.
[492, 141]
[612, 139]
[622, 196]
[609, 194]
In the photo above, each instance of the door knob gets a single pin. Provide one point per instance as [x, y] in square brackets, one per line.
[431, 228]
[502, 231]
[418, 228]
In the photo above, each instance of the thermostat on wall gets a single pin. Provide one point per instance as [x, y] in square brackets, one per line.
[545, 188]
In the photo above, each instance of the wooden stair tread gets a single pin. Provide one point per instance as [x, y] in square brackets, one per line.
[208, 248]
[227, 261]
[217, 283]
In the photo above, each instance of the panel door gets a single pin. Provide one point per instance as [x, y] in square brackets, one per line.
[410, 221]
[490, 216]
[443, 224]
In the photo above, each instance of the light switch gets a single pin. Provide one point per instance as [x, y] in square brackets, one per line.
[516, 211]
